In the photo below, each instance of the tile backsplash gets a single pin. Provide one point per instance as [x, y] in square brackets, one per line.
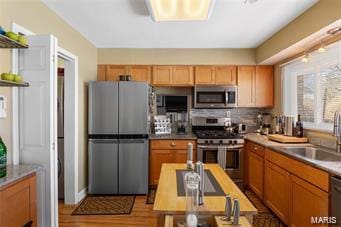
[247, 116]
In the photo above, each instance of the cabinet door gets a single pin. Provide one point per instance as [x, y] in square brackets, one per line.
[255, 173]
[180, 156]
[183, 76]
[162, 75]
[114, 71]
[277, 190]
[246, 86]
[18, 203]
[307, 201]
[101, 72]
[225, 75]
[157, 158]
[204, 75]
[140, 72]
[264, 92]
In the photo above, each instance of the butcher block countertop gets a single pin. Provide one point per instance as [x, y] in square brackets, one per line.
[168, 201]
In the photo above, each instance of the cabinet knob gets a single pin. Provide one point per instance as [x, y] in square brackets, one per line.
[173, 144]
[255, 148]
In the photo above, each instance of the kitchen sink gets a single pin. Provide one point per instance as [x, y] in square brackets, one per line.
[314, 153]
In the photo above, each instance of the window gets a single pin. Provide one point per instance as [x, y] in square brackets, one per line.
[313, 89]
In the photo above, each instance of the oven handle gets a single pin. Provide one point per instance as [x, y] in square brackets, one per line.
[216, 147]
[226, 97]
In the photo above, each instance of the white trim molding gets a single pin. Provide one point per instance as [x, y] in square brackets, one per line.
[82, 194]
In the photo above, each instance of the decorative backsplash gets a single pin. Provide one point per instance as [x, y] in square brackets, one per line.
[247, 116]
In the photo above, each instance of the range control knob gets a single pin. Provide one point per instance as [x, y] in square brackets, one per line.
[206, 141]
[220, 141]
[230, 141]
[235, 141]
[211, 141]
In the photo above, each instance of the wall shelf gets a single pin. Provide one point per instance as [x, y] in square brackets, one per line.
[5, 83]
[6, 42]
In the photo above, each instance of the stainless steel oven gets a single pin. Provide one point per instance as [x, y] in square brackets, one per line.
[215, 96]
[229, 157]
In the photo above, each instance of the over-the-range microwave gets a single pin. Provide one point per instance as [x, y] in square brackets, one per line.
[215, 96]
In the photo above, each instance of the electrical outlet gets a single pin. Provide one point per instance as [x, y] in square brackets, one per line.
[2, 107]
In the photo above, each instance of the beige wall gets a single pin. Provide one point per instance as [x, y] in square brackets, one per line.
[314, 19]
[35, 16]
[176, 56]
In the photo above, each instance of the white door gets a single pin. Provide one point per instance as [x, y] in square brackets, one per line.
[38, 121]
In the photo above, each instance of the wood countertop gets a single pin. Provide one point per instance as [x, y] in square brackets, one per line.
[168, 201]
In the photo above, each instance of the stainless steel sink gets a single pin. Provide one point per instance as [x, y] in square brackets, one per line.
[314, 153]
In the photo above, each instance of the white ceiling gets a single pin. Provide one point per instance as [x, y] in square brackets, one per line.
[126, 23]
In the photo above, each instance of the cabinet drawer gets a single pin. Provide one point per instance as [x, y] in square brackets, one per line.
[171, 144]
[310, 174]
[256, 148]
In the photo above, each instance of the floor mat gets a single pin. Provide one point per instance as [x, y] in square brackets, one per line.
[151, 196]
[105, 205]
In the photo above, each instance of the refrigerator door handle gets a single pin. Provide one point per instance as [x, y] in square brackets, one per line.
[132, 141]
[98, 141]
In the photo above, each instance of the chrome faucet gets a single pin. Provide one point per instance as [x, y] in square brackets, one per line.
[199, 169]
[337, 130]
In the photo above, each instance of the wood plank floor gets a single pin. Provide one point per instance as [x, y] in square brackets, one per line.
[142, 215]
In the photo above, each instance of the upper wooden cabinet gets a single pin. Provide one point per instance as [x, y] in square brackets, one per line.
[172, 76]
[226, 75]
[215, 75]
[255, 86]
[264, 91]
[204, 75]
[140, 72]
[112, 72]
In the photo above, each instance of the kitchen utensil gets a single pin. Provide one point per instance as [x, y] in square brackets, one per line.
[128, 78]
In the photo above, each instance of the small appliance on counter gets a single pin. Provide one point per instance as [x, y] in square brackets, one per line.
[162, 125]
[242, 128]
[181, 123]
[264, 122]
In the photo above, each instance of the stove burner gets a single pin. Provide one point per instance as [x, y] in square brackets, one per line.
[216, 134]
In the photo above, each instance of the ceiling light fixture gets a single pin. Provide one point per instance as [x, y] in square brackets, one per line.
[180, 10]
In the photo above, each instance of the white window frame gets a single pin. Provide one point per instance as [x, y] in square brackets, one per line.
[314, 66]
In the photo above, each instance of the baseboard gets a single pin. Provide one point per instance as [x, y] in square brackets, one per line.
[81, 195]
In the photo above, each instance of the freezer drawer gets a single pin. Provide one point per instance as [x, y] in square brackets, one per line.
[103, 105]
[133, 108]
[103, 169]
[133, 166]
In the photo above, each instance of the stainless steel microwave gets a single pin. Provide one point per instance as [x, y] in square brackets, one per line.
[215, 96]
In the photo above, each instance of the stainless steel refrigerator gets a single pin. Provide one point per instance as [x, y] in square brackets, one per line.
[118, 137]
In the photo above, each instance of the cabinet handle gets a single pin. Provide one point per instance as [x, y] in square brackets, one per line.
[255, 148]
[173, 144]
[28, 224]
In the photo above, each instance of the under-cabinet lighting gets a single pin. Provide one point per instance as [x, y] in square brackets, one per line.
[180, 10]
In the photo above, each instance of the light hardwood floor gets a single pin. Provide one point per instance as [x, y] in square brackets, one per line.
[142, 215]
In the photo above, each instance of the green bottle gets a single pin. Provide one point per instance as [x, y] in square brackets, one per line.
[3, 158]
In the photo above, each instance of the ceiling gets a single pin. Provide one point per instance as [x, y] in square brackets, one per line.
[127, 24]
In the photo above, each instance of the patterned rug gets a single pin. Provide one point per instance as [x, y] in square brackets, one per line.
[105, 205]
[151, 196]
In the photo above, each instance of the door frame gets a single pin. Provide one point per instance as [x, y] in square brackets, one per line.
[70, 118]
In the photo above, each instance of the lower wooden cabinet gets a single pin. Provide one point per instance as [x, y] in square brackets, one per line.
[167, 151]
[277, 190]
[18, 203]
[307, 201]
[255, 174]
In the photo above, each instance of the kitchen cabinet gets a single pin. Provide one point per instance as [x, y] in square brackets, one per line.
[255, 173]
[204, 75]
[225, 75]
[255, 86]
[264, 88]
[307, 201]
[173, 76]
[112, 72]
[18, 203]
[167, 151]
[215, 75]
[277, 190]
[183, 76]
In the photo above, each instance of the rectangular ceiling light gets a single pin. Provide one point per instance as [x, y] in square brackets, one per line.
[180, 10]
